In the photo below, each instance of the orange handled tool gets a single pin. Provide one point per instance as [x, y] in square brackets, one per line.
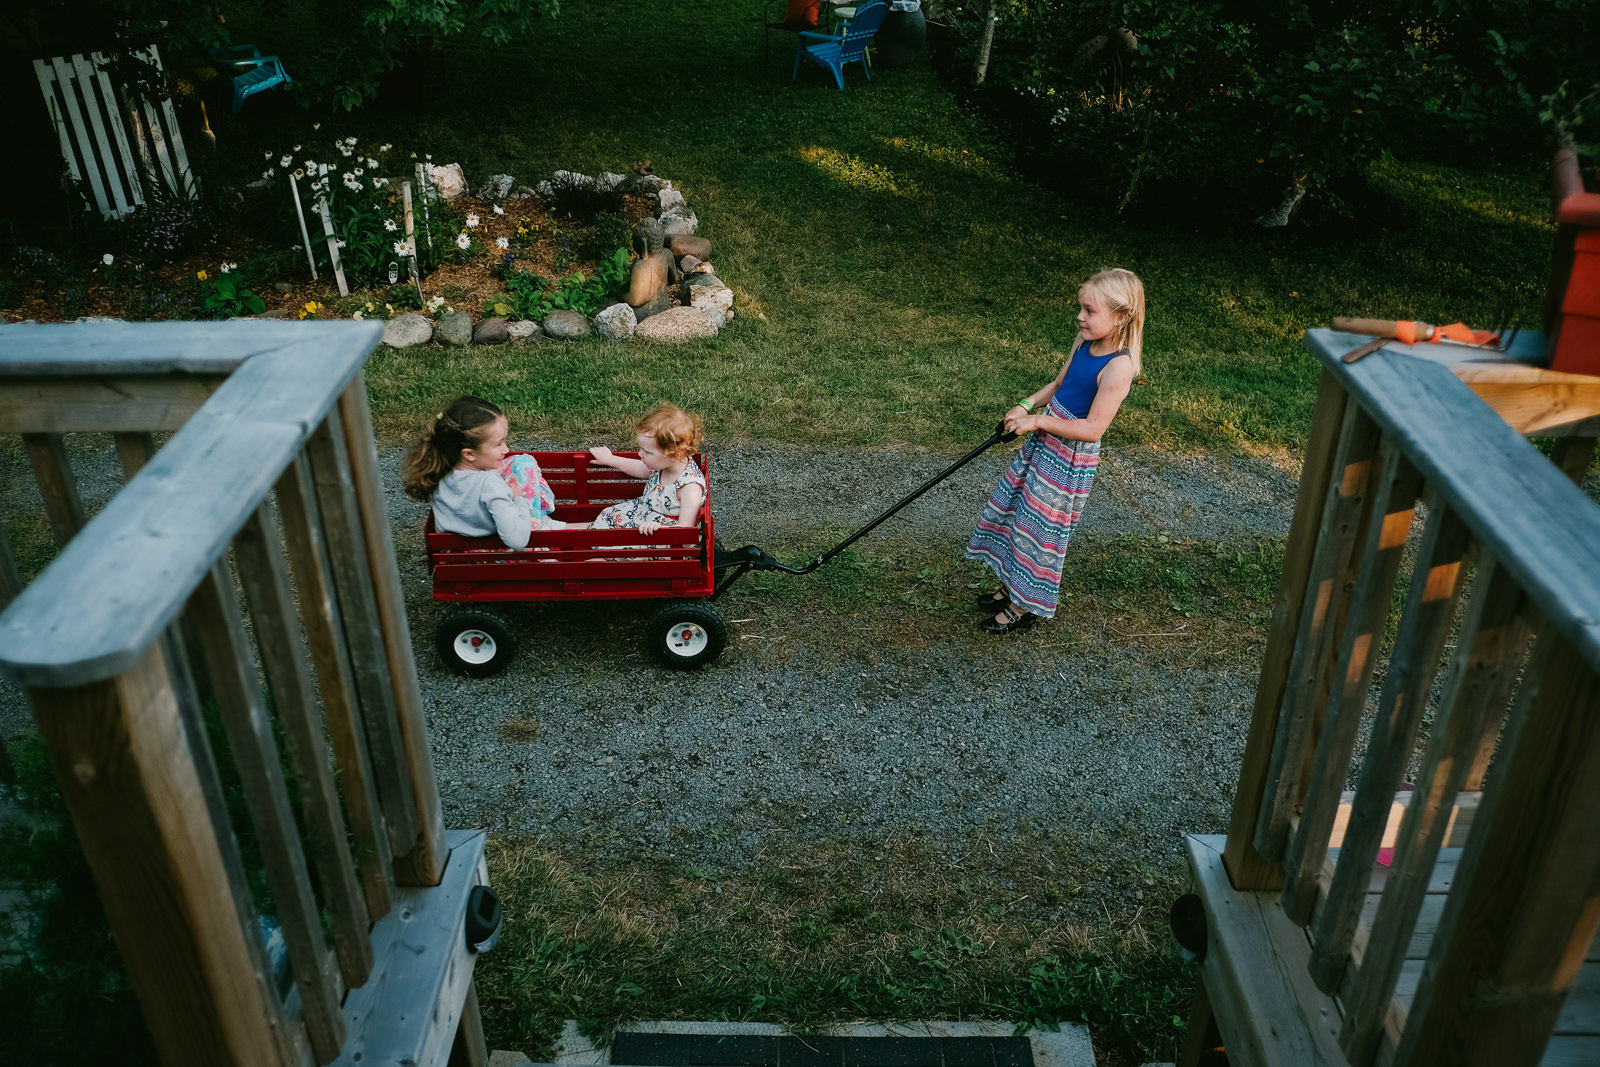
[1409, 331]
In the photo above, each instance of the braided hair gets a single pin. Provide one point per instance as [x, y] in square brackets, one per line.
[464, 424]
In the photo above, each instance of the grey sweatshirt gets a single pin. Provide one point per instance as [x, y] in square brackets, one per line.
[477, 503]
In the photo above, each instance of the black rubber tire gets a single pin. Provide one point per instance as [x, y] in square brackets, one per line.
[687, 634]
[453, 641]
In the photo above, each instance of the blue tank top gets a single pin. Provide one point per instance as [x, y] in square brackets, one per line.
[1078, 388]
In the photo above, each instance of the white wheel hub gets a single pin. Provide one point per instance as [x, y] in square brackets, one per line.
[687, 639]
[474, 646]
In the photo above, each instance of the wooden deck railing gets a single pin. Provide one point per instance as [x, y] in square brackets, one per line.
[1435, 547]
[246, 566]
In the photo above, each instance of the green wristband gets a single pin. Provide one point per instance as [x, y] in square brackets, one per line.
[1026, 405]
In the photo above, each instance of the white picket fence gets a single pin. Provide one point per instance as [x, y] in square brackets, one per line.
[112, 140]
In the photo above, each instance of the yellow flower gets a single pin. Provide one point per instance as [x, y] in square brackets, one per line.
[200, 274]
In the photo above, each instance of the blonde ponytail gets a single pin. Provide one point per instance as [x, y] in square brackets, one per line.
[1123, 293]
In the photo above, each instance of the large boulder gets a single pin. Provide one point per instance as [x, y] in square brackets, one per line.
[676, 325]
[566, 324]
[616, 322]
[669, 199]
[454, 328]
[643, 183]
[406, 330]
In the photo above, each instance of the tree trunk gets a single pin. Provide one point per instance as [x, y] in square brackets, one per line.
[980, 68]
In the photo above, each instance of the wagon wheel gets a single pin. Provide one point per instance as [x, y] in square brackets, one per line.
[475, 642]
[687, 633]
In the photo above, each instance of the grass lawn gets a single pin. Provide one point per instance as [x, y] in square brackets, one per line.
[897, 283]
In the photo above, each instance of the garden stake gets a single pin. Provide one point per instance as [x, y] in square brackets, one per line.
[305, 235]
[411, 240]
[426, 186]
[333, 241]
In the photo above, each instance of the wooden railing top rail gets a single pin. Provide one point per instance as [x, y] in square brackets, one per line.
[136, 562]
[69, 349]
[1540, 526]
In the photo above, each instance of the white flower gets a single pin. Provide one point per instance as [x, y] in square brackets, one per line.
[413, 155]
[384, 148]
[498, 210]
[296, 148]
[372, 163]
[309, 164]
[316, 125]
[108, 259]
[285, 161]
[351, 141]
[356, 315]
[400, 249]
[359, 172]
[267, 173]
[379, 181]
[390, 225]
[343, 151]
[339, 243]
[229, 268]
[267, 156]
[502, 242]
[463, 242]
[472, 222]
[435, 303]
[299, 172]
[427, 155]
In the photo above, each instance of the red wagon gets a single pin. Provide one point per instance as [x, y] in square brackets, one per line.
[677, 564]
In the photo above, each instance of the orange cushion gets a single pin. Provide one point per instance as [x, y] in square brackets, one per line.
[802, 11]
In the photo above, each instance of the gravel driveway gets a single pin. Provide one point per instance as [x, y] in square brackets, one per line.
[584, 736]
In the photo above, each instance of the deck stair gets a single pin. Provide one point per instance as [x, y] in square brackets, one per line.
[1444, 911]
[246, 565]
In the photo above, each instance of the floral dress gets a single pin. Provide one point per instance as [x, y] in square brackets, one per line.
[658, 502]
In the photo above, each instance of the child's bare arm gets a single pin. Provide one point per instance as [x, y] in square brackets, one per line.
[633, 468]
[690, 497]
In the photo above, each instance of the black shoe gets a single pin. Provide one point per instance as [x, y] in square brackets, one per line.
[994, 601]
[1012, 618]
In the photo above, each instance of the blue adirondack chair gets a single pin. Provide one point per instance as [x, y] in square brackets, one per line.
[847, 44]
[251, 74]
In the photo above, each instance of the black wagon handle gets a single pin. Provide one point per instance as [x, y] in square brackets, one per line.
[751, 557]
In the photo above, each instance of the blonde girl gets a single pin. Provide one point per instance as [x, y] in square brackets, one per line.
[675, 488]
[1031, 514]
[462, 466]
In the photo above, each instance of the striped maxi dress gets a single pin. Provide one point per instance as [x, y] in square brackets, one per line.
[1023, 532]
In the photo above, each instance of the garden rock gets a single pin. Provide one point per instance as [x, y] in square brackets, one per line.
[525, 330]
[572, 179]
[643, 183]
[521, 192]
[699, 280]
[543, 189]
[676, 325]
[448, 181]
[455, 328]
[687, 264]
[276, 313]
[713, 313]
[683, 244]
[711, 296]
[491, 331]
[679, 221]
[608, 181]
[284, 287]
[497, 186]
[566, 324]
[616, 323]
[406, 330]
[647, 237]
[669, 198]
[97, 318]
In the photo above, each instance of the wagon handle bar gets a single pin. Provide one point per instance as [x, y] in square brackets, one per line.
[752, 558]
